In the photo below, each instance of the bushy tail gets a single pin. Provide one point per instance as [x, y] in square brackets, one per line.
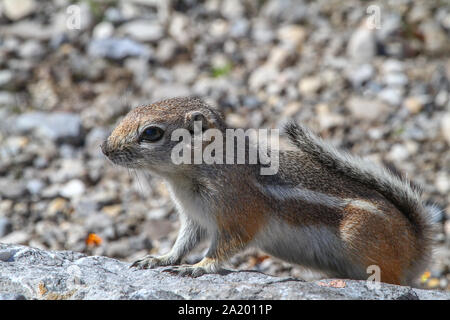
[399, 191]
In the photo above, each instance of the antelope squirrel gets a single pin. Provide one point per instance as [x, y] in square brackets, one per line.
[324, 209]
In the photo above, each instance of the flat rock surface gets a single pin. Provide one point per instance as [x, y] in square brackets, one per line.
[31, 273]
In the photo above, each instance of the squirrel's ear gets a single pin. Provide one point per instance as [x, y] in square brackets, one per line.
[207, 120]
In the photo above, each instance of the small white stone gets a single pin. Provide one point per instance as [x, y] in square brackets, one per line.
[445, 127]
[309, 85]
[103, 30]
[73, 188]
[442, 183]
[18, 9]
[398, 153]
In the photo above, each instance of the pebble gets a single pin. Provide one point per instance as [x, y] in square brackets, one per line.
[413, 104]
[368, 109]
[5, 77]
[445, 127]
[362, 47]
[31, 49]
[103, 30]
[117, 49]
[16, 10]
[358, 75]
[143, 30]
[393, 96]
[292, 35]
[309, 85]
[5, 226]
[57, 126]
[72, 189]
[35, 186]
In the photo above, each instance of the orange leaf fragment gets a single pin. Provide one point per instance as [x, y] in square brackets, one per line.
[93, 240]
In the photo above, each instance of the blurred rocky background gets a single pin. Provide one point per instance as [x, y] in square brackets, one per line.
[370, 76]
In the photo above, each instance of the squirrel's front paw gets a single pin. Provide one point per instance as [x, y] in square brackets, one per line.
[149, 262]
[205, 266]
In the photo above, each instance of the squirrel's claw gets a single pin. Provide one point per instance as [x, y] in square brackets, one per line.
[186, 271]
[150, 262]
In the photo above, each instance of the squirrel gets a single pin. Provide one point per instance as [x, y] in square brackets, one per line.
[324, 209]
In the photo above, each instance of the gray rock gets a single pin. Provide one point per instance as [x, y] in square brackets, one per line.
[57, 126]
[35, 186]
[362, 46]
[143, 30]
[393, 96]
[31, 49]
[369, 109]
[72, 275]
[11, 296]
[117, 49]
[5, 226]
[7, 98]
[16, 10]
[445, 127]
[73, 189]
[12, 189]
[361, 74]
[285, 10]
[5, 77]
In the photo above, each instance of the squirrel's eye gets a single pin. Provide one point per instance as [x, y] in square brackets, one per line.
[152, 134]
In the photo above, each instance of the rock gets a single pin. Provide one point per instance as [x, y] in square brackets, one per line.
[445, 127]
[11, 296]
[7, 98]
[292, 35]
[35, 186]
[395, 79]
[369, 109]
[166, 50]
[73, 189]
[143, 30]
[360, 74]
[239, 28]
[414, 104]
[398, 153]
[117, 49]
[179, 29]
[5, 226]
[362, 46]
[16, 10]
[57, 126]
[5, 77]
[288, 11]
[28, 30]
[393, 96]
[436, 40]
[31, 49]
[261, 76]
[103, 30]
[72, 275]
[12, 189]
[309, 85]
[18, 237]
[232, 9]
[443, 182]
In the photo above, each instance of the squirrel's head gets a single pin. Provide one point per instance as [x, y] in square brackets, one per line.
[142, 140]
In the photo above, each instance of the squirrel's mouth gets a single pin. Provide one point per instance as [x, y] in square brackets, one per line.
[122, 157]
